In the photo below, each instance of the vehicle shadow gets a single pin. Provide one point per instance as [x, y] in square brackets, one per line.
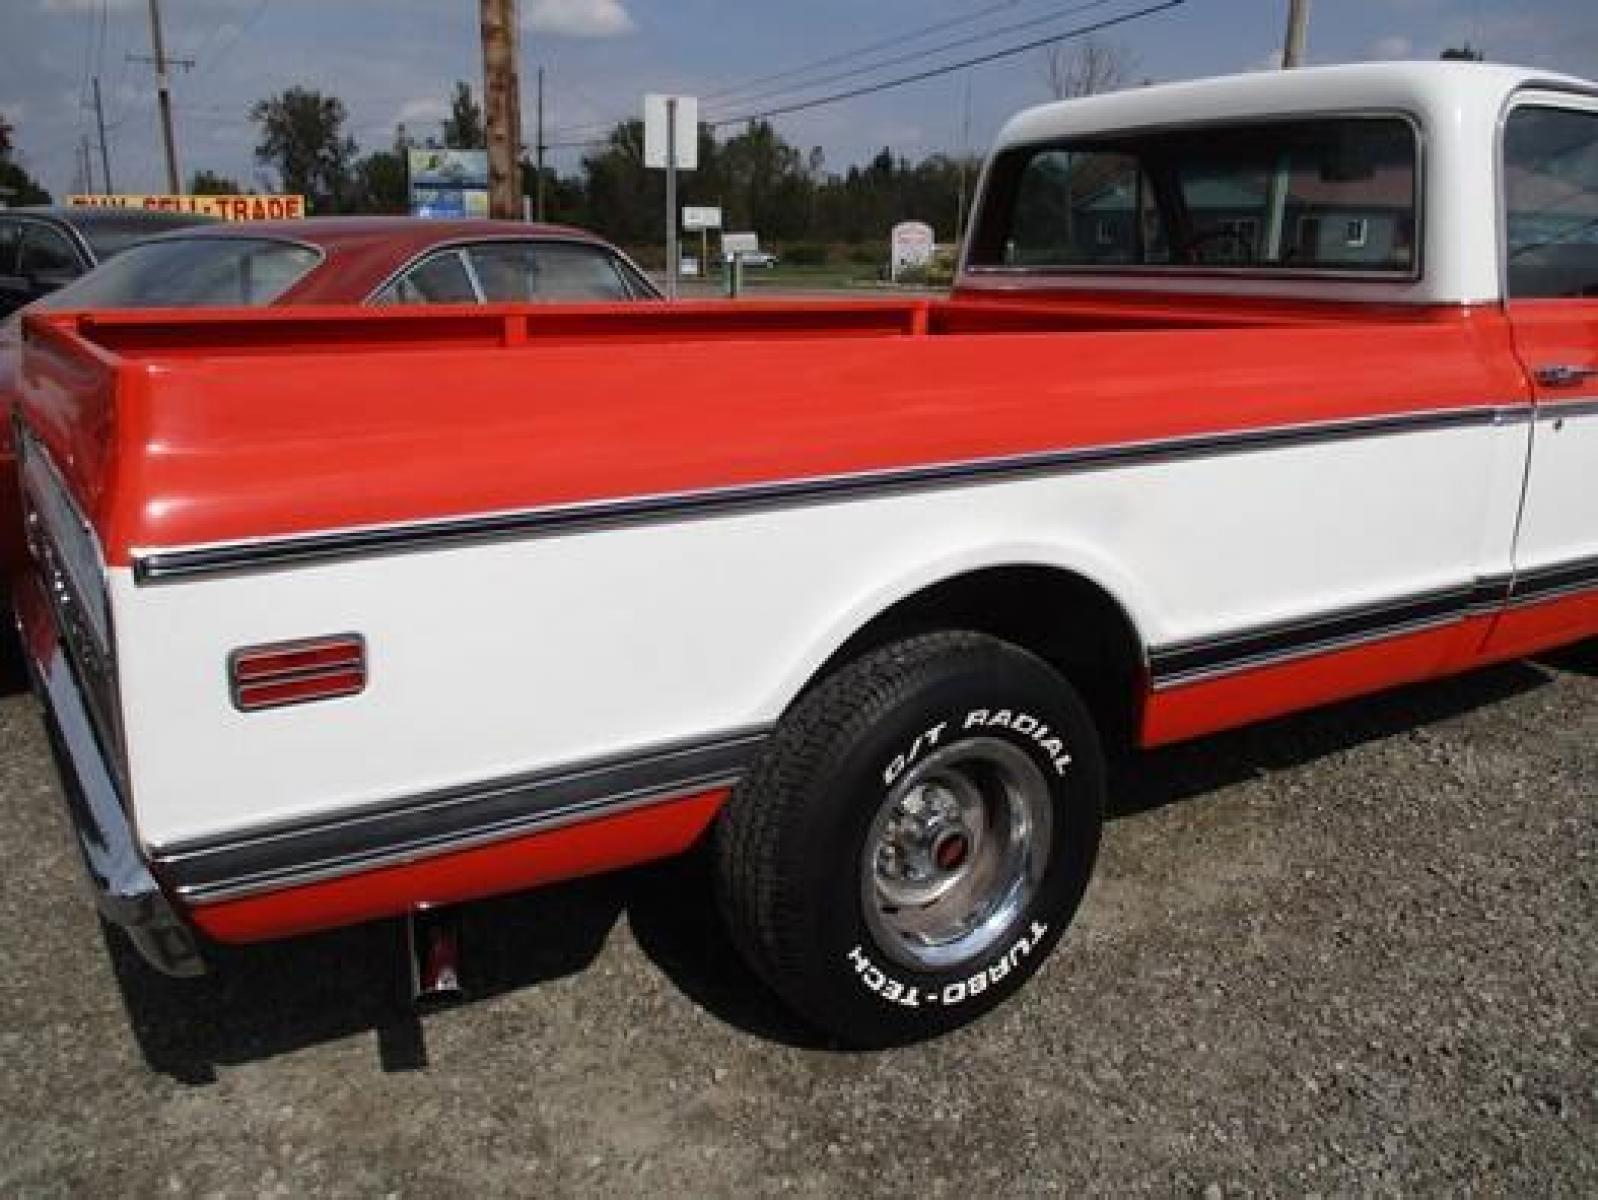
[13, 676]
[266, 1000]
[1580, 659]
[1144, 782]
[272, 999]
[276, 998]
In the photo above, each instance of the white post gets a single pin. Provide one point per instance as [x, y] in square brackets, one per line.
[671, 198]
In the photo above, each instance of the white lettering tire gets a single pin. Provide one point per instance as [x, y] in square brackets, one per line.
[914, 838]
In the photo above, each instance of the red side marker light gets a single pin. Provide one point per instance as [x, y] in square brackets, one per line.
[282, 673]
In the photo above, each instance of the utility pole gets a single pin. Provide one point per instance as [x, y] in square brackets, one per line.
[965, 153]
[502, 110]
[85, 170]
[538, 150]
[163, 92]
[1297, 31]
[105, 154]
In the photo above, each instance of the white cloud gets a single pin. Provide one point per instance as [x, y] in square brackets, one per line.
[77, 6]
[422, 109]
[1394, 45]
[578, 18]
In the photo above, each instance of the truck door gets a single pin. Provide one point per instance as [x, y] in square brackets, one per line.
[1550, 184]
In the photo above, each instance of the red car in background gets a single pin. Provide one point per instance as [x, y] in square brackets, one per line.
[328, 260]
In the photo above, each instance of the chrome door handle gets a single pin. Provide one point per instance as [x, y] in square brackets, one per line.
[1563, 374]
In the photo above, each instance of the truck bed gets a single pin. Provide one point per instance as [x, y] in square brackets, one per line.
[369, 416]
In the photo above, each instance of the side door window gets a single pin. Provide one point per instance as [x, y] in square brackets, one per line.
[442, 278]
[10, 248]
[546, 272]
[1551, 203]
[48, 259]
[13, 288]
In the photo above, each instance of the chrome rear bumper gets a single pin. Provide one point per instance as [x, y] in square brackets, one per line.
[125, 892]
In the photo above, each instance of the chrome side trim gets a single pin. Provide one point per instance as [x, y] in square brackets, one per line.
[1551, 408]
[155, 566]
[125, 891]
[420, 827]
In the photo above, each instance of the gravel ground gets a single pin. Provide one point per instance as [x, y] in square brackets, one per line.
[1351, 952]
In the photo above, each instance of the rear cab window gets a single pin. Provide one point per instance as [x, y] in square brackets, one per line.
[1334, 194]
[216, 272]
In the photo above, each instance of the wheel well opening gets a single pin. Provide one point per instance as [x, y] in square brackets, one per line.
[1066, 620]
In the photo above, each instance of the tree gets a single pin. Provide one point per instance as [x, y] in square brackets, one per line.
[626, 202]
[382, 178]
[16, 185]
[463, 128]
[302, 135]
[208, 183]
[768, 188]
[1086, 68]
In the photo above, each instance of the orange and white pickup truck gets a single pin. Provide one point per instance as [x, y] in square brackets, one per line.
[1252, 394]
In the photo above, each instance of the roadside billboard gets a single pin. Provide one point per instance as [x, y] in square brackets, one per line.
[229, 208]
[448, 183]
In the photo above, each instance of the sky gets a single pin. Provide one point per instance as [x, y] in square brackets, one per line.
[394, 61]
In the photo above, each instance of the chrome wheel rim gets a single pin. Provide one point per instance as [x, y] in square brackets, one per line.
[956, 853]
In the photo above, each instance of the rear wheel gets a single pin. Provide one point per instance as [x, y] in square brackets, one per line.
[914, 838]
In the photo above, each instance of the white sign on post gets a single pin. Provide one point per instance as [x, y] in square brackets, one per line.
[655, 126]
[703, 216]
[671, 141]
[912, 246]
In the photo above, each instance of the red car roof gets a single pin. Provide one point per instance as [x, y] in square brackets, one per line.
[360, 253]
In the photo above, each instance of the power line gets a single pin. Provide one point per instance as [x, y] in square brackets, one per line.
[947, 68]
[912, 55]
[238, 37]
[914, 35]
[870, 48]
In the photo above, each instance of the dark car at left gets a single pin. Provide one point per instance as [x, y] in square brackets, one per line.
[42, 249]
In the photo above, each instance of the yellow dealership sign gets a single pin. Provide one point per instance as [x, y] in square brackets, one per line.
[229, 208]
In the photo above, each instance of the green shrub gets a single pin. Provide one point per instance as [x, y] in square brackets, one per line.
[805, 254]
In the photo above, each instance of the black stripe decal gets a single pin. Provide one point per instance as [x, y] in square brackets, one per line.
[1206, 657]
[327, 847]
[162, 566]
[1209, 657]
[1491, 593]
[1547, 583]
